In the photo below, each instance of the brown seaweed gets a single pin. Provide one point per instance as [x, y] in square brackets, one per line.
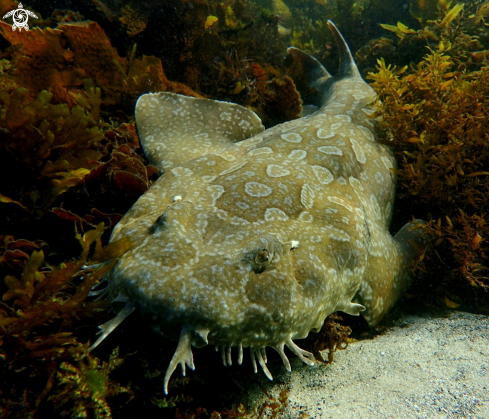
[437, 117]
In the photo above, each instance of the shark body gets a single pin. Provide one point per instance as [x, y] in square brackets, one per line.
[252, 237]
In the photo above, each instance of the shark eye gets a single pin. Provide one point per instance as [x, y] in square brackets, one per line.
[262, 256]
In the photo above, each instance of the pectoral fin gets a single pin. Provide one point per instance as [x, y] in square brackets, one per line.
[388, 274]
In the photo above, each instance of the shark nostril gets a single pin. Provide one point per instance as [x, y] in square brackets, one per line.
[160, 224]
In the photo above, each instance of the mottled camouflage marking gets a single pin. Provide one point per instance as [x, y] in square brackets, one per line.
[250, 238]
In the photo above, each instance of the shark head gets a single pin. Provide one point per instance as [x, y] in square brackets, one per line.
[234, 261]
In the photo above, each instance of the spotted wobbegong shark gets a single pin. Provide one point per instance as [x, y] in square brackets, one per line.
[252, 237]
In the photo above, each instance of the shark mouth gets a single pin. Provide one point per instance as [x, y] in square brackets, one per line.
[191, 336]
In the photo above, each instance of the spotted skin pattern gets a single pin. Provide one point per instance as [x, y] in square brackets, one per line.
[251, 237]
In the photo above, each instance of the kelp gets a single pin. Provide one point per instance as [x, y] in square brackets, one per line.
[435, 29]
[61, 159]
[437, 117]
[124, 176]
[400, 29]
[265, 90]
[464, 237]
[14, 253]
[213, 50]
[358, 21]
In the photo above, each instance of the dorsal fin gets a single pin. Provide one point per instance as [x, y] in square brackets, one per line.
[312, 67]
[174, 129]
[348, 68]
[310, 76]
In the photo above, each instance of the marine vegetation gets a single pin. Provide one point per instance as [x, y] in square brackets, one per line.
[333, 336]
[133, 20]
[271, 408]
[358, 19]
[39, 311]
[234, 52]
[63, 145]
[85, 385]
[438, 119]
[462, 25]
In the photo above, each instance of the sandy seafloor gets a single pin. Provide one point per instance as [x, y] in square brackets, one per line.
[423, 367]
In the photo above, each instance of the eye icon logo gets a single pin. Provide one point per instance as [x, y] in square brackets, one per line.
[20, 17]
